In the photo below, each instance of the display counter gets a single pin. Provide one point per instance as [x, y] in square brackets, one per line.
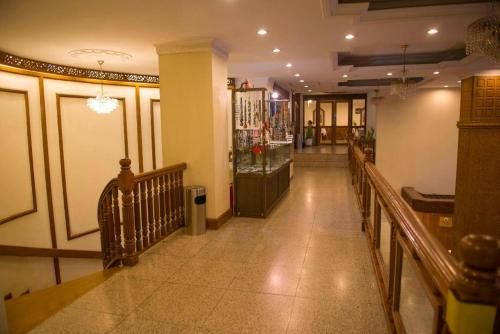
[261, 152]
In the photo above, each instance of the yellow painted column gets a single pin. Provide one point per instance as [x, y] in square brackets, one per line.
[194, 121]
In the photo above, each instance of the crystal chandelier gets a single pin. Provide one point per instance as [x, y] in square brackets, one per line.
[403, 87]
[483, 36]
[102, 104]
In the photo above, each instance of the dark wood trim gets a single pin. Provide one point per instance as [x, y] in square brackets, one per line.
[350, 59]
[153, 141]
[428, 203]
[375, 82]
[396, 4]
[69, 234]
[48, 182]
[139, 127]
[30, 158]
[216, 223]
[6, 250]
[75, 72]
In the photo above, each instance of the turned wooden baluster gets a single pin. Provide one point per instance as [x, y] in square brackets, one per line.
[151, 223]
[168, 204]
[177, 199]
[365, 188]
[137, 218]
[163, 223]
[156, 204]
[144, 215]
[173, 206]
[117, 224]
[109, 240]
[126, 185]
[181, 198]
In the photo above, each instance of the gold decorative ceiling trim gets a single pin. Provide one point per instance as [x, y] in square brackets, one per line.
[40, 66]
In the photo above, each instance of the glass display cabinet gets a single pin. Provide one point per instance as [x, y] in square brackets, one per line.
[262, 142]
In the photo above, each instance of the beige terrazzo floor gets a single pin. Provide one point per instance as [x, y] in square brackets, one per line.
[304, 269]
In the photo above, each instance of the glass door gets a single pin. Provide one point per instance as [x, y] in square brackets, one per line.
[341, 121]
[310, 122]
[326, 123]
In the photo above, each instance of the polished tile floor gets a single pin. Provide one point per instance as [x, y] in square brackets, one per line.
[304, 269]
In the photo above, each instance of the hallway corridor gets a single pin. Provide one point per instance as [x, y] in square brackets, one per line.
[304, 269]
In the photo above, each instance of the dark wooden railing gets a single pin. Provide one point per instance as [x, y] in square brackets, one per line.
[403, 251]
[137, 211]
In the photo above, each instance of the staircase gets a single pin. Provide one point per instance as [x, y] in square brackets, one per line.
[320, 160]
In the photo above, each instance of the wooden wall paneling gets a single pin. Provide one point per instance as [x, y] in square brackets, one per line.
[30, 159]
[139, 127]
[48, 183]
[69, 232]
[477, 192]
[154, 135]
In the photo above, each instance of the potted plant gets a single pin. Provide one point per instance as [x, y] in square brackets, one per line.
[309, 134]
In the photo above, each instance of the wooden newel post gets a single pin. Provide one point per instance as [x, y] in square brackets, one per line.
[474, 296]
[365, 191]
[126, 186]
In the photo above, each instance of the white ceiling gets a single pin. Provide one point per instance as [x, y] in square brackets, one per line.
[306, 32]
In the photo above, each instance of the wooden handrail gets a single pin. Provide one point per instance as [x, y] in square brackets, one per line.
[434, 256]
[470, 276]
[136, 211]
[164, 170]
[6, 250]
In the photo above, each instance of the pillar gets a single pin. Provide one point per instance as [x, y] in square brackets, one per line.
[194, 121]
[477, 194]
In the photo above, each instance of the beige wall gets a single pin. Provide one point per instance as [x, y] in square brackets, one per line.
[194, 121]
[92, 146]
[417, 140]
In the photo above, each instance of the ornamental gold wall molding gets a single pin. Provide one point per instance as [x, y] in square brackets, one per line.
[40, 66]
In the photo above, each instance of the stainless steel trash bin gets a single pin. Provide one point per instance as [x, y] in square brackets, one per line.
[195, 214]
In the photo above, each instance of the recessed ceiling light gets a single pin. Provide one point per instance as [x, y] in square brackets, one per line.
[262, 32]
[276, 50]
[389, 74]
[309, 90]
[432, 31]
[349, 36]
[306, 86]
[459, 81]
[289, 65]
[296, 75]
[435, 72]
[301, 80]
[344, 76]
[445, 86]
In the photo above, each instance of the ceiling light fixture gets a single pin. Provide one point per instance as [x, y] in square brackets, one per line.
[276, 50]
[435, 72]
[102, 104]
[262, 32]
[289, 65]
[389, 74]
[297, 75]
[432, 31]
[459, 81]
[275, 95]
[306, 86]
[344, 76]
[403, 87]
[301, 80]
[483, 35]
[445, 86]
[349, 36]
[309, 90]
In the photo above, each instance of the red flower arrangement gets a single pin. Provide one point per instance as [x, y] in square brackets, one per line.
[257, 150]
